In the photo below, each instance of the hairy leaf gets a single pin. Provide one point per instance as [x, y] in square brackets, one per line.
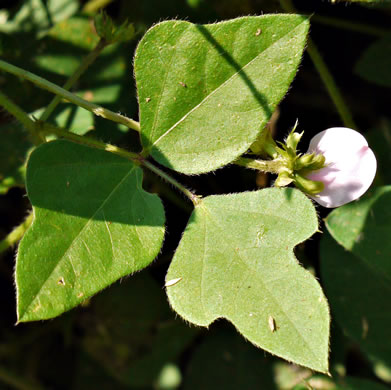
[93, 224]
[236, 261]
[207, 91]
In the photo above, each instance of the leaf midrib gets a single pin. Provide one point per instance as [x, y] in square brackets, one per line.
[220, 86]
[60, 258]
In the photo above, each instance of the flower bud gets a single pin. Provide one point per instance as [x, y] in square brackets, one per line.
[310, 187]
[283, 179]
[265, 145]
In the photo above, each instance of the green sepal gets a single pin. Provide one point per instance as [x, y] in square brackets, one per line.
[265, 145]
[309, 162]
[308, 186]
[283, 179]
[292, 140]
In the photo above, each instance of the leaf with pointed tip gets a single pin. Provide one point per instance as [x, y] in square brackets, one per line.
[93, 224]
[236, 261]
[207, 91]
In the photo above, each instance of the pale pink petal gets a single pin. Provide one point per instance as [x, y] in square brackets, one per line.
[351, 166]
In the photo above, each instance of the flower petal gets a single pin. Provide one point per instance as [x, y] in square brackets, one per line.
[351, 166]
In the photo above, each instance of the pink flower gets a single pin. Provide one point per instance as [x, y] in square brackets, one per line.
[350, 166]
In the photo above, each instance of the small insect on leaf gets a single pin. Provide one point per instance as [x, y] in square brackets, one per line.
[183, 84]
[272, 324]
[171, 282]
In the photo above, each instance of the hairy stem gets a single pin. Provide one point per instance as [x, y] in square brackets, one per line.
[47, 128]
[21, 116]
[270, 166]
[136, 158]
[47, 85]
[87, 61]
[193, 197]
[16, 235]
[325, 75]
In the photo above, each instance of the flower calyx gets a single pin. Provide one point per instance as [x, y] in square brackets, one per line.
[296, 166]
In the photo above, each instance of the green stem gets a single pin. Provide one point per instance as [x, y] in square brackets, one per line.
[47, 128]
[352, 26]
[16, 235]
[136, 158]
[16, 381]
[325, 75]
[47, 85]
[270, 166]
[87, 61]
[193, 197]
[21, 116]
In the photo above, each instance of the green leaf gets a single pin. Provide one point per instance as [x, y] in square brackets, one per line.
[118, 319]
[37, 16]
[357, 274]
[226, 361]
[375, 63]
[207, 91]
[93, 224]
[364, 228]
[379, 140]
[236, 261]
[14, 147]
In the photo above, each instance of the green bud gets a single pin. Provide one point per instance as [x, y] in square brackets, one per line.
[283, 179]
[308, 186]
[310, 162]
[265, 145]
[293, 140]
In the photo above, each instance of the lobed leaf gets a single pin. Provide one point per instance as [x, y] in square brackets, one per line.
[236, 261]
[93, 224]
[207, 91]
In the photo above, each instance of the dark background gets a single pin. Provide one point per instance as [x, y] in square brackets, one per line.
[108, 343]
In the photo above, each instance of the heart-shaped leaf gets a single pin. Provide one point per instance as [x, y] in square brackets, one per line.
[207, 91]
[93, 224]
[236, 261]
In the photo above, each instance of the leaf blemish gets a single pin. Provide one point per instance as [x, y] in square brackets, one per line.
[258, 33]
[272, 324]
[172, 282]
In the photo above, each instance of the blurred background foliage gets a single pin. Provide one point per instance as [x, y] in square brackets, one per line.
[127, 337]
